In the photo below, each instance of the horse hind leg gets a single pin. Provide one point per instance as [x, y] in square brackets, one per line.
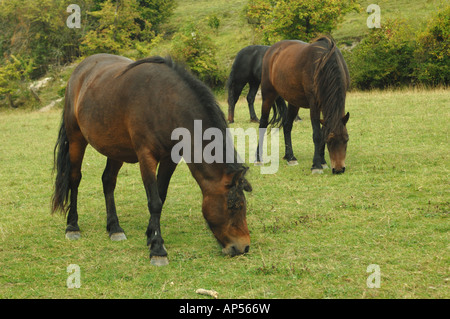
[76, 153]
[234, 92]
[268, 99]
[287, 129]
[109, 179]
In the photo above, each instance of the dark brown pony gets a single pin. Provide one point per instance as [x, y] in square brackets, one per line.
[313, 76]
[127, 111]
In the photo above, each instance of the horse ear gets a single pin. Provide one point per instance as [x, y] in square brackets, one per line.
[345, 118]
[239, 181]
[246, 185]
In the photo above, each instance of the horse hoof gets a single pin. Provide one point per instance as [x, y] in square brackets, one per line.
[258, 163]
[73, 235]
[118, 236]
[325, 166]
[254, 121]
[159, 261]
[316, 171]
[292, 163]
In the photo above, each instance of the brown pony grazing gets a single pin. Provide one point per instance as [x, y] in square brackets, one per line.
[127, 111]
[313, 76]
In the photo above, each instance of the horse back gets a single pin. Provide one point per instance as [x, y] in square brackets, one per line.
[286, 69]
[119, 111]
[247, 64]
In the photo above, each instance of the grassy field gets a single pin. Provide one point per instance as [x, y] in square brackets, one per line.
[312, 236]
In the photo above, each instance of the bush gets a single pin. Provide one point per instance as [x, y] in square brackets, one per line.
[384, 58]
[117, 27]
[432, 52]
[293, 19]
[194, 47]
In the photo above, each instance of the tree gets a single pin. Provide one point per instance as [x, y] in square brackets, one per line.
[296, 19]
[155, 12]
[37, 31]
[116, 28]
[121, 24]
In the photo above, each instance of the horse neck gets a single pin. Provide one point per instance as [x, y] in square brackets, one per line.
[210, 177]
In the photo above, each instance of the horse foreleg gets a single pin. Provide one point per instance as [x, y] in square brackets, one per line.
[268, 100]
[148, 165]
[109, 179]
[165, 171]
[319, 146]
[251, 101]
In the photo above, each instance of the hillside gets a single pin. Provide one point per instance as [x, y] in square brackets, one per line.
[234, 32]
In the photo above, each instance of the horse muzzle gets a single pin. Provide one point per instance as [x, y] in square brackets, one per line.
[234, 249]
[338, 171]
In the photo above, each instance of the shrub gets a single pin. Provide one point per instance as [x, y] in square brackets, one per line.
[116, 28]
[384, 58]
[293, 19]
[432, 52]
[194, 47]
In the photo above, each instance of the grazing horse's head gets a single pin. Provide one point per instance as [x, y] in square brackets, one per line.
[337, 145]
[225, 212]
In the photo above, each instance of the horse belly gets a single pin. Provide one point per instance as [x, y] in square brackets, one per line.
[289, 74]
[111, 141]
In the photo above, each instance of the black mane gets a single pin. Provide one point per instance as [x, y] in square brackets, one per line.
[331, 83]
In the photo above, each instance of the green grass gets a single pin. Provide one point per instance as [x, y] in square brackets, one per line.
[312, 236]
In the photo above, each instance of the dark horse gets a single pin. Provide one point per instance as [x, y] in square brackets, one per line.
[313, 76]
[127, 111]
[247, 69]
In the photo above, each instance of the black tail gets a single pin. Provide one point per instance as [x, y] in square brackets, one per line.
[230, 87]
[60, 198]
[279, 113]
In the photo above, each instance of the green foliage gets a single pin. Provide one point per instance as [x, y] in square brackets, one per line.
[13, 74]
[302, 20]
[433, 50]
[213, 22]
[37, 31]
[8, 74]
[154, 12]
[193, 46]
[383, 58]
[116, 28]
[395, 55]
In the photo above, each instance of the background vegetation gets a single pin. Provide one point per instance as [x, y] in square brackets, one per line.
[411, 48]
[312, 236]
